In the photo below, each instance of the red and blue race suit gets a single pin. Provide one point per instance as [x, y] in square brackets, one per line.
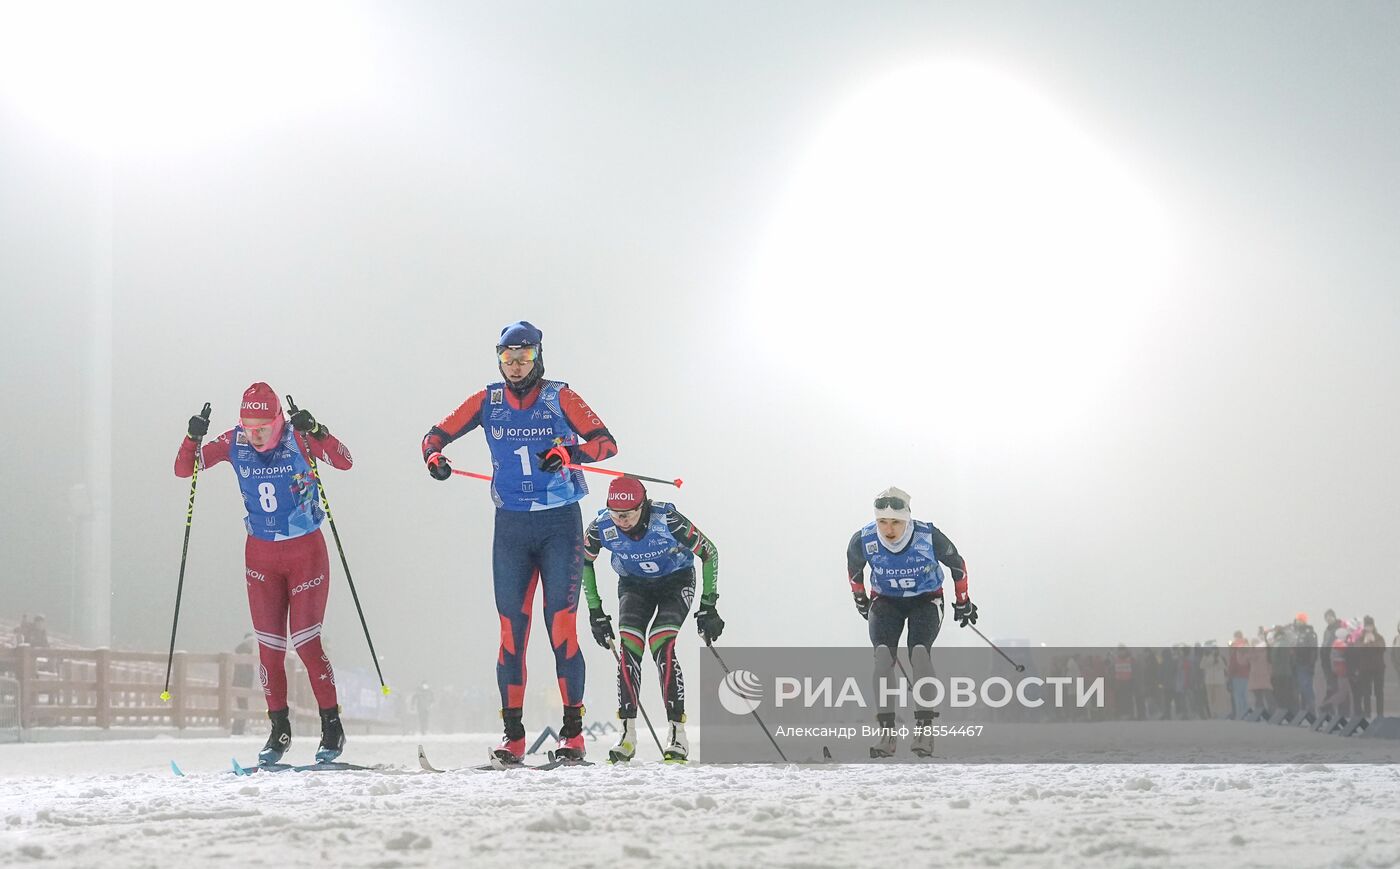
[539, 529]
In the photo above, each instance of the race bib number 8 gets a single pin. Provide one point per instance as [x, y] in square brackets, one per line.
[267, 497]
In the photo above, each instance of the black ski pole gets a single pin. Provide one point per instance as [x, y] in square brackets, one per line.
[635, 698]
[910, 681]
[902, 670]
[1020, 668]
[326, 505]
[612, 473]
[184, 552]
[753, 712]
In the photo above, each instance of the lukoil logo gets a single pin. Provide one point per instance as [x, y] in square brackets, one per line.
[740, 692]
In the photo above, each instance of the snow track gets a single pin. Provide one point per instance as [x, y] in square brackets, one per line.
[130, 811]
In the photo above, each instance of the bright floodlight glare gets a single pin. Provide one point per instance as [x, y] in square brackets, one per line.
[953, 231]
[158, 74]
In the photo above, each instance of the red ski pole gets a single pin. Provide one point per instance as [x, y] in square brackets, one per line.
[474, 476]
[592, 470]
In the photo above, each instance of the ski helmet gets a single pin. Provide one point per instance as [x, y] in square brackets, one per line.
[521, 336]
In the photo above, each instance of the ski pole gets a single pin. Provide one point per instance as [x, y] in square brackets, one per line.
[626, 680]
[610, 472]
[473, 475]
[592, 470]
[326, 505]
[898, 661]
[941, 606]
[901, 668]
[753, 712]
[1020, 668]
[184, 551]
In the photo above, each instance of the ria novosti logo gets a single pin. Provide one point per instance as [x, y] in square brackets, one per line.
[740, 692]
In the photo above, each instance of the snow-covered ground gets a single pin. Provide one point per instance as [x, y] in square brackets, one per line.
[117, 804]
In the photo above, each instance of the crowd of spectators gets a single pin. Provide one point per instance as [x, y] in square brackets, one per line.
[1287, 666]
[1149, 683]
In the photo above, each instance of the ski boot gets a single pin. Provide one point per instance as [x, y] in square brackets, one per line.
[626, 747]
[570, 748]
[885, 745]
[279, 740]
[332, 735]
[922, 746]
[677, 746]
[511, 749]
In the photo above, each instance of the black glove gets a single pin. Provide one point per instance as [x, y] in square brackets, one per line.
[862, 604]
[965, 613]
[553, 459]
[708, 624]
[601, 623]
[303, 421]
[439, 467]
[199, 424]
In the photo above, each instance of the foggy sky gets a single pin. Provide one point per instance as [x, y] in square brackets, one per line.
[609, 172]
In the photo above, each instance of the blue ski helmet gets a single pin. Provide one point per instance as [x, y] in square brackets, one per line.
[522, 333]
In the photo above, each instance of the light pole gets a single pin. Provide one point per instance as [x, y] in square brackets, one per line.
[95, 627]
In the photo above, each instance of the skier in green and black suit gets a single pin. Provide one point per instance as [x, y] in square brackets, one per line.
[653, 551]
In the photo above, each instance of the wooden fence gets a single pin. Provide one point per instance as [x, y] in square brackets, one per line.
[105, 688]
